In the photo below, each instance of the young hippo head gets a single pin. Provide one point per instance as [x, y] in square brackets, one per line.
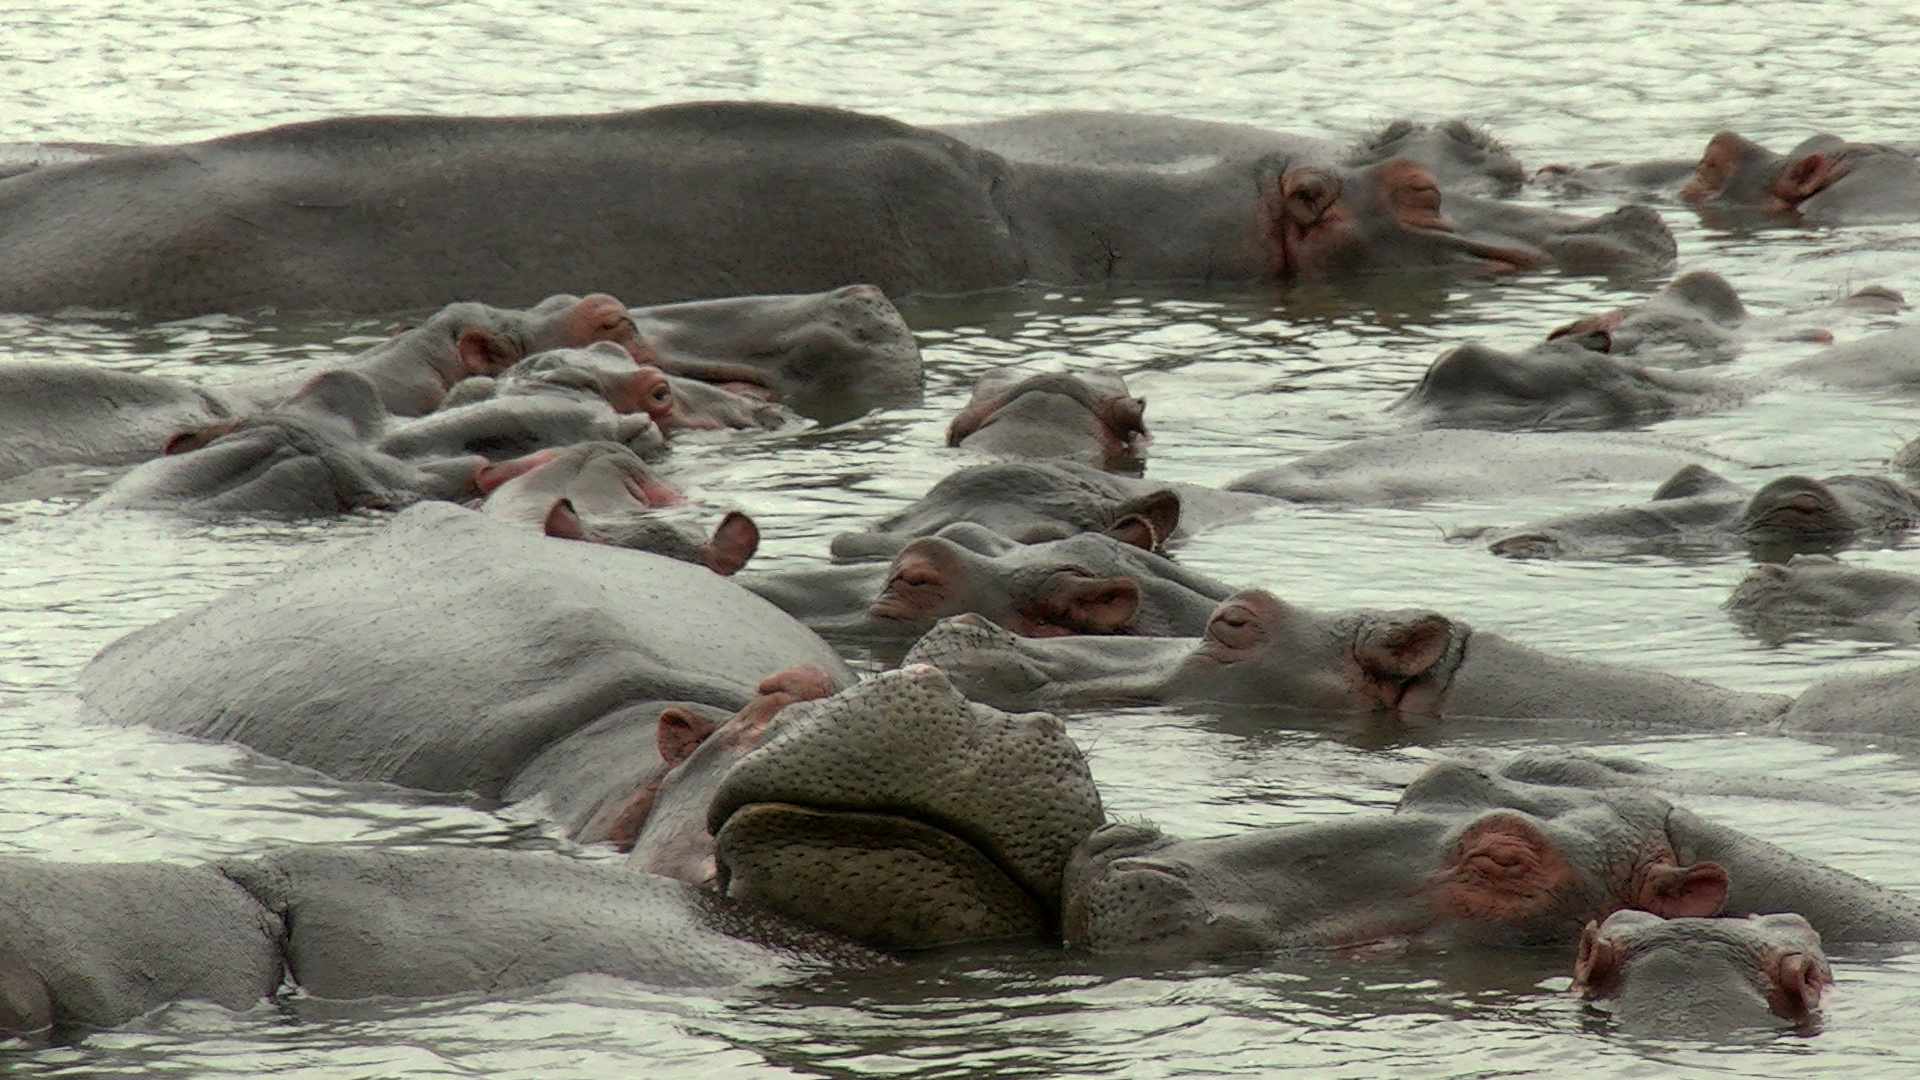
[1087, 417]
[1259, 650]
[1692, 319]
[664, 827]
[1740, 174]
[603, 493]
[904, 816]
[1703, 977]
[1335, 223]
[1460, 156]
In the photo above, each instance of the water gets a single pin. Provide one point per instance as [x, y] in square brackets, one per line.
[1237, 379]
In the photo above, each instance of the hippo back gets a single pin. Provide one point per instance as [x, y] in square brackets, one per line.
[446, 652]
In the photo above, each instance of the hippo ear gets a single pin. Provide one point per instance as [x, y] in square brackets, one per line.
[1148, 521]
[1798, 981]
[563, 522]
[1599, 960]
[1804, 177]
[734, 541]
[1404, 649]
[1099, 605]
[1683, 892]
[482, 353]
[680, 733]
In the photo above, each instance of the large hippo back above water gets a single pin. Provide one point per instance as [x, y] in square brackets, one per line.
[394, 212]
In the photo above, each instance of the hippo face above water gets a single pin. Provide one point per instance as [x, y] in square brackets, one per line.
[1825, 180]
[1703, 977]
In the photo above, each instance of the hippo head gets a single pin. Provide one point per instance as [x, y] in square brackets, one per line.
[602, 492]
[1088, 416]
[900, 814]
[1334, 223]
[1797, 513]
[1693, 318]
[577, 322]
[1703, 977]
[1739, 174]
[1260, 650]
[1026, 501]
[603, 370]
[1557, 384]
[1467, 858]
[1461, 156]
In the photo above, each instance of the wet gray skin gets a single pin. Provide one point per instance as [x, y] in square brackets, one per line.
[1558, 385]
[1260, 651]
[1088, 417]
[314, 455]
[1697, 510]
[1086, 584]
[1825, 180]
[1885, 705]
[1423, 466]
[609, 373]
[1817, 595]
[1463, 158]
[438, 677]
[1888, 361]
[1703, 978]
[603, 493]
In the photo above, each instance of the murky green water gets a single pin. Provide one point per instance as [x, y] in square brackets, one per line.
[1236, 380]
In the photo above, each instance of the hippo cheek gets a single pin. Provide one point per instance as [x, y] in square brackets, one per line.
[884, 880]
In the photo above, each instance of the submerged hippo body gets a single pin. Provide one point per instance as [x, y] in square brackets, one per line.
[681, 202]
[1085, 584]
[1696, 511]
[1425, 466]
[1558, 385]
[1820, 595]
[92, 946]
[1822, 181]
[1259, 651]
[311, 456]
[401, 663]
[1703, 977]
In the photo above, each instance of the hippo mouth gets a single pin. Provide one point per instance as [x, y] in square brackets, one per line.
[892, 879]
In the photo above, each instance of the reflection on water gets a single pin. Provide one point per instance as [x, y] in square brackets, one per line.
[1237, 379]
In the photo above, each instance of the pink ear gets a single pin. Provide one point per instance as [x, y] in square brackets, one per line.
[1804, 177]
[734, 541]
[1147, 522]
[1405, 649]
[1597, 963]
[482, 353]
[680, 733]
[563, 523]
[1798, 981]
[1684, 892]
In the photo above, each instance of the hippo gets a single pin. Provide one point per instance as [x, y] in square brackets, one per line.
[1558, 385]
[1087, 417]
[1696, 511]
[1824, 180]
[603, 493]
[1883, 705]
[311, 456]
[1703, 977]
[685, 201]
[1461, 157]
[94, 945]
[830, 817]
[1887, 361]
[1085, 584]
[1409, 666]
[1426, 466]
[414, 669]
[1820, 595]
[900, 815]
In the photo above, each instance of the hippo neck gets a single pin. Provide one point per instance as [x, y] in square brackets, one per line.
[1098, 225]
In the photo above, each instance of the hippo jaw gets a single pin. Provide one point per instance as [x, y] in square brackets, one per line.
[901, 814]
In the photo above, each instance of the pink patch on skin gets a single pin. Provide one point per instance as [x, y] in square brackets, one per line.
[492, 476]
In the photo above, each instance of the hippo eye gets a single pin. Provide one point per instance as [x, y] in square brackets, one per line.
[1235, 627]
[662, 394]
